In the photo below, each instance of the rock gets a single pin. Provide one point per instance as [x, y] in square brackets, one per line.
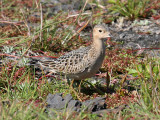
[68, 104]
[115, 110]
[57, 102]
[74, 105]
[94, 104]
[141, 34]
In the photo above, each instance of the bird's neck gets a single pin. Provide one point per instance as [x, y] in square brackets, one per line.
[98, 45]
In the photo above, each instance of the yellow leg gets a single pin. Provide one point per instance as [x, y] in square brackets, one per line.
[71, 86]
[79, 87]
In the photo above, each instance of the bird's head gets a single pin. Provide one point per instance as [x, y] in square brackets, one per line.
[101, 32]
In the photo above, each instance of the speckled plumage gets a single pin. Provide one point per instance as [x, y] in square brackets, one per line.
[83, 62]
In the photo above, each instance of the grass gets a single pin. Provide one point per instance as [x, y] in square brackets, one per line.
[133, 9]
[23, 96]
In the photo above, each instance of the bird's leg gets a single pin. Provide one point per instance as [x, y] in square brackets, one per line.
[79, 87]
[71, 86]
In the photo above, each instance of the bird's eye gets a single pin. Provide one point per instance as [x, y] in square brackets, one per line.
[100, 30]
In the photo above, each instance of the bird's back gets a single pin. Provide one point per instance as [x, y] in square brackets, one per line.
[71, 62]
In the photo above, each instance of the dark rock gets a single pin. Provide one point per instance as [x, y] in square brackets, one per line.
[74, 105]
[57, 102]
[115, 110]
[68, 98]
[68, 104]
[94, 104]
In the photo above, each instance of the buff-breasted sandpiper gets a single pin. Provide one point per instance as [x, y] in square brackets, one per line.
[83, 62]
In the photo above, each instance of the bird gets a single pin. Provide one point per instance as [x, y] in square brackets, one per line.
[81, 63]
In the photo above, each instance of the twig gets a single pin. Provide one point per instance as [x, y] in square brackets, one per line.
[82, 10]
[87, 13]
[9, 55]
[12, 22]
[25, 22]
[101, 6]
[79, 30]
[84, 5]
